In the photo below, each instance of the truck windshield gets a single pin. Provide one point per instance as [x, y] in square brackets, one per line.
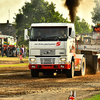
[48, 34]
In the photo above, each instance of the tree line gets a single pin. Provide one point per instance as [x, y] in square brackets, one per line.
[40, 11]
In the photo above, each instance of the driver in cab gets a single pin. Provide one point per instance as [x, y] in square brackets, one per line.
[39, 36]
[63, 35]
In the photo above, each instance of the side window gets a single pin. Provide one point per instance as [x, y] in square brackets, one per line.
[70, 31]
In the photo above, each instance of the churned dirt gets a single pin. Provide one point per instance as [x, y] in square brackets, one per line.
[16, 83]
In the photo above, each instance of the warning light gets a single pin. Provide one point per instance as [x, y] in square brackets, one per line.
[96, 29]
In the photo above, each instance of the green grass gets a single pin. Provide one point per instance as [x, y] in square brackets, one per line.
[96, 97]
[14, 65]
[13, 59]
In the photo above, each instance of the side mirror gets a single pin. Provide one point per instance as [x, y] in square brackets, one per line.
[73, 34]
[26, 37]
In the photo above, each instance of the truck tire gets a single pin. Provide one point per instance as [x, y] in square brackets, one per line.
[83, 67]
[70, 72]
[34, 73]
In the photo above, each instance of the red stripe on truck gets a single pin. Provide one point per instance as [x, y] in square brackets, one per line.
[50, 66]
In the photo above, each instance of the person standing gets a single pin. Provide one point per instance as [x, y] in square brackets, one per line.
[14, 50]
[7, 51]
[21, 58]
[18, 51]
[2, 50]
[21, 54]
[24, 52]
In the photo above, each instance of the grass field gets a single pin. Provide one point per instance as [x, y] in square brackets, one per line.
[96, 97]
[14, 65]
[13, 59]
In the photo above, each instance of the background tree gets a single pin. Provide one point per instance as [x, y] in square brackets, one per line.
[81, 26]
[38, 11]
[96, 12]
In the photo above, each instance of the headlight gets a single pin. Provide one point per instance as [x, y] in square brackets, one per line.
[32, 59]
[63, 59]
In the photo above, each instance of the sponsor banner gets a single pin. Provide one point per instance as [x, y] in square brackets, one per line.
[57, 44]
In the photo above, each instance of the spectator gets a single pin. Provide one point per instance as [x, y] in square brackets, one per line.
[24, 52]
[2, 50]
[21, 58]
[14, 50]
[7, 51]
[21, 54]
[18, 51]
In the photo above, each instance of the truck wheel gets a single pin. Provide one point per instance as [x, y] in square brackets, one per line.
[34, 73]
[83, 67]
[70, 72]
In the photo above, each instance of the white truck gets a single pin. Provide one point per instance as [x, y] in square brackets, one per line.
[52, 50]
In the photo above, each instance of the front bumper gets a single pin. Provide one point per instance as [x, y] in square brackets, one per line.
[49, 66]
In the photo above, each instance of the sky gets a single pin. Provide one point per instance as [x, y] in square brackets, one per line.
[8, 9]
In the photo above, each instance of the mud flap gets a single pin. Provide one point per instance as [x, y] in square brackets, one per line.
[91, 64]
[98, 65]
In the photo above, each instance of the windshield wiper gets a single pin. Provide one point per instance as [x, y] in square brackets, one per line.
[63, 38]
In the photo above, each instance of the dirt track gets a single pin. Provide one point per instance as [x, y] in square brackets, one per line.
[16, 84]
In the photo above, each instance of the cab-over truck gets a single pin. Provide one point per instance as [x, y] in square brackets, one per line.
[51, 52]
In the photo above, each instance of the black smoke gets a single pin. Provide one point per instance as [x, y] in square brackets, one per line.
[72, 7]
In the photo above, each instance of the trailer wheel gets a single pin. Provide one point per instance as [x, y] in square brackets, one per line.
[34, 73]
[83, 67]
[10, 53]
[70, 72]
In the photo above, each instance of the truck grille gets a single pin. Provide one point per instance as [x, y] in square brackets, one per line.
[47, 52]
[47, 60]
